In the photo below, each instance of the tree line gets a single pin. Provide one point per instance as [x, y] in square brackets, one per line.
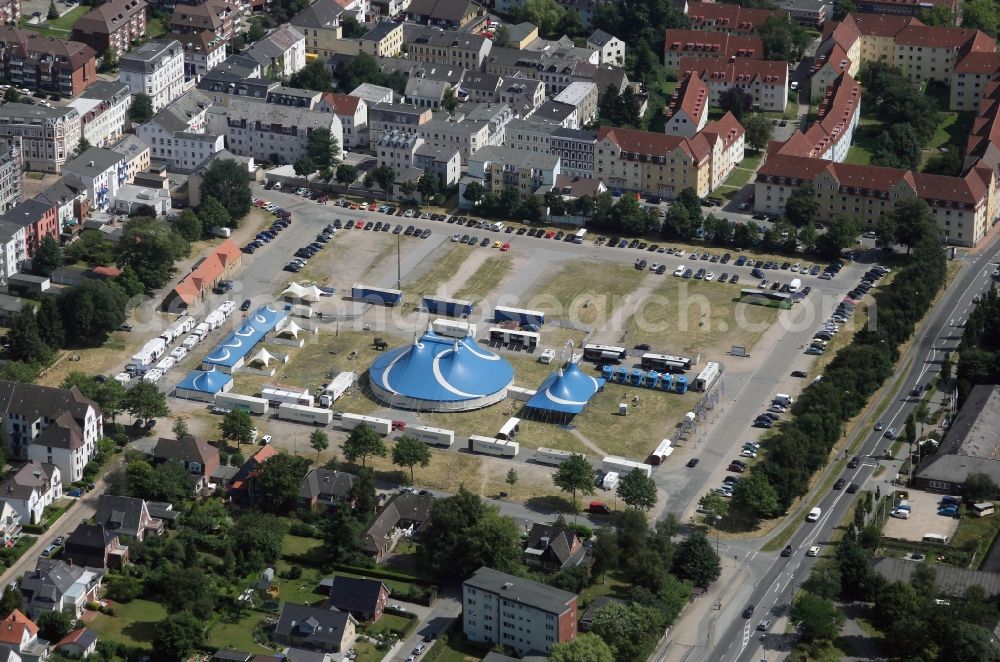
[979, 350]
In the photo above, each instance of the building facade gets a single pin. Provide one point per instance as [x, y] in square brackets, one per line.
[48, 135]
[264, 130]
[31, 60]
[103, 110]
[116, 24]
[156, 69]
[101, 172]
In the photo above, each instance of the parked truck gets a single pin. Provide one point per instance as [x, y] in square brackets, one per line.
[624, 465]
[381, 425]
[304, 414]
[432, 436]
[246, 402]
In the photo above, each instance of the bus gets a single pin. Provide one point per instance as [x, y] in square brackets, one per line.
[514, 338]
[604, 353]
[665, 362]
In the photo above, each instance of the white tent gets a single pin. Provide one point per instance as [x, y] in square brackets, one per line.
[291, 330]
[309, 293]
[263, 357]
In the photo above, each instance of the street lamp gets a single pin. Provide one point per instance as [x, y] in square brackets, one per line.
[718, 518]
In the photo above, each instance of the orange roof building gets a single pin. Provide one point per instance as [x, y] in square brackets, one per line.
[205, 275]
[708, 45]
[687, 111]
[721, 17]
[764, 81]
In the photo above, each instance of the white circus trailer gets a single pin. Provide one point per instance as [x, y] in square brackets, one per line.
[215, 320]
[227, 308]
[165, 364]
[202, 330]
[381, 425]
[520, 394]
[432, 436]
[489, 446]
[277, 396]
[245, 402]
[509, 429]
[610, 480]
[336, 388]
[662, 452]
[453, 329]
[625, 466]
[552, 456]
[182, 325]
[190, 342]
[303, 414]
[708, 376]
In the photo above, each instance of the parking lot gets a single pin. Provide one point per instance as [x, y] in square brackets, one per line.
[923, 519]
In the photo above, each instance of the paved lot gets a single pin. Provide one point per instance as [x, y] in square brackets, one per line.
[924, 519]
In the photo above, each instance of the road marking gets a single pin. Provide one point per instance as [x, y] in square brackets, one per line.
[746, 636]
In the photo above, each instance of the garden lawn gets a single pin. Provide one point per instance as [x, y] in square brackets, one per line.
[237, 635]
[133, 625]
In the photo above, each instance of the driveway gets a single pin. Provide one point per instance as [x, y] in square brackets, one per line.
[432, 623]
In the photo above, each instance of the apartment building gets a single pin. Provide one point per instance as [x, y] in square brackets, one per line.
[177, 135]
[384, 117]
[462, 50]
[265, 131]
[50, 425]
[11, 173]
[281, 53]
[69, 198]
[498, 168]
[445, 162]
[136, 154]
[732, 19]
[516, 613]
[116, 24]
[31, 489]
[203, 51]
[103, 110]
[29, 59]
[720, 46]
[687, 112]
[13, 251]
[765, 82]
[101, 172]
[583, 98]
[448, 14]
[464, 135]
[574, 147]
[39, 220]
[426, 92]
[831, 134]
[353, 114]
[223, 18]
[970, 79]
[48, 135]
[396, 149]
[320, 24]
[480, 87]
[611, 49]
[927, 53]
[903, 7]
[156, 69]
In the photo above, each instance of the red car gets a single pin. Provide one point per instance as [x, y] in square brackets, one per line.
[505, 247]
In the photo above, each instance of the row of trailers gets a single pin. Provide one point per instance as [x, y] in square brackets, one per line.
[643, 378]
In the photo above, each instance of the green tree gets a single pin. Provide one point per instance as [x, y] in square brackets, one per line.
[625, 628]
[213, 214]
[981, 15]
[939, 15]
[445, 532]
[802, 206]
[189, 589]
[575, 475]
[151, 248]
[474, 192]
[342, 537]
[145, 400]
[885, 231]
[236, 425]
[755, 497]
[899, 146]
[230, 182]
[979, 487]
[323, 148]
[967, 641]
[180, 428]
[256, 540]
[429, 186]
[449, 101]
[511, 477]
[696, 561]
[12, 95]
[362, 443]
[409, 452]
[52, 15]
[637, 490]
[493, 541]
[758, 131]
[112, 396]
[818, 619]
[47, 258]
[178, 636]
[385, 177]
[913, 221]
[304, 167]
[91, 311]
[587, 647]
[841, 233]
[12, 599]
[277, 481]
[188, 225]
[501, 37]
[347, 175]
[25, 340]
[141, 109]
[605, 552]
[783, 37]
[319, 441]
[49, 322]
[629, 216]
[842, 8]
[92, 247]
[54, 625]
[82, 147]
[362, 494]
[314, 76]
[546, 14]
[110, 61]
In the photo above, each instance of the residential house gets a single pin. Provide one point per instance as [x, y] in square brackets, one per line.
[315, 628]
[293, 96]
[240, 490]
[320, 24]
[610, 47]
[364, 599]
[403, 515]
[396, 149]
[426, 92]
[127, 517]
[468, 130]
[462, 50]
[764, 82]
[156, 69]
[322, 487]
[238, 75]
[373, 94]
[831, 134]
[95, 546]
[261, 130]
[733, 19]
[58, 586]
[37, 218]
[385, 39]
[281, 53]
[445, 162]
[448, 14]
[601, 601]
[721, 46]
[903, 7]
[480, 87]
[353, 114]
[101, 172]
[970, 79]
[69, 199]
[223, 18]
[387, 117]
[50, 425]
[19, 634]
[11, 173]
[103, 109]
[582, 96]
[197, 456]
[10, 524]
[551, 548]
[136, 154]
[203, 51]
[517, 613]
[687, 111]
[116, 24]
[29, 59]
[177, 136]
[205, 275]
[78, 644]
[499, 168]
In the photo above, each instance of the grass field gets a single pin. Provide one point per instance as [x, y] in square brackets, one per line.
[739, 177]
[584, 296]
[487, 277]
[237, 635]
[134, 625]
[863, 142]
[449, 258]
[60, 27]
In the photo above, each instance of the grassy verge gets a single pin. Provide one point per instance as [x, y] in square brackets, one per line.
[451, 257]
[487, 277]
[783, 536]
[133, 625]
[237, 634]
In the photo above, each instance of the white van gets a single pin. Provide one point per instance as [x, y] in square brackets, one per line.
[936, 538]
[547, 356]
[152, 376]
[497, 227]
[679, 271]
[814, 514]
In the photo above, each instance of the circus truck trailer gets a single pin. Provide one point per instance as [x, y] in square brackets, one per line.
[245, 402]
[277, 397]
[381, 425]
[336, 388]
[431, 436]
[625, 466]
[304, 414]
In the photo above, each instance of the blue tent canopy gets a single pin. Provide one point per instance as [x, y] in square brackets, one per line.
[566, 391]
[240, 342]
[205, 381]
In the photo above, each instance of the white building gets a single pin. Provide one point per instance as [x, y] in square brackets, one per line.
[157, 69]
[267, 131]
[31, 489]
[353, 114]
[281, 53]
[103, 109]
[396, 149]
[13, 240]
[611, 49]
[101, 172]
[203, 51]
[49, 136]
[177, 134]
[583, 97]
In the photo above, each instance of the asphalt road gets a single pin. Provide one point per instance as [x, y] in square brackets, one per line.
[777, 584]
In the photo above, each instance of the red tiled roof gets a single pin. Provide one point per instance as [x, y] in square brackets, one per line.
[691, 96]
[869, 177]
[727, 128]
[207, 272]
[654, 144]
[719, 44]
[792, 167]
[979, 63]
[72, 637]
[729, 17]
[738, 70]
[109, 272]
[883, 25]
[929, 36]
[969, 190]
[796, 145]
[13, 627]
[265, 453]
[342, 104]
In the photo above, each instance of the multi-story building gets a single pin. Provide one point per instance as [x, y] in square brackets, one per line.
[116, 24]
[70, 201]
[50, 425]
[136, 154]
[807, 12]
[31, 60]
[448, 14]
[733, 19]
[101, 172]
[462, 49]
[499, 168]
[426, 92]
[156, 69]
[103, 111]
[611, 49]
[445, 162]
[11, 173]
[720, 46]
[465, 135]
[385, 39]
[223, 18]
[831, 134]
[480, 87]
[320, 24]
[12, 248]
[58, 586]
[396, 149]
[575, 149]
[48, 135]
[765, 82]
[203, 51]
[903, 7]
[281, 53]
[583, 97]
[687, 112]
[31, 489]
[34, 220]
[927, 53]
[353, 114]
[177, 135]
[384, 117]
[516, 613]
[664, 165]
[270, 132]
[970, 78]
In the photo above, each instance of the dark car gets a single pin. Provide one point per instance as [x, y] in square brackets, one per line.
[425, 234]
[642, 347]
[735, 278]
[839, 485]
[854, 463]
[688, 273]
[787, 551]
[397, 229]
[245, 305]
[692, 463]
[748, 612]
[378, 227]
[337, 224]
[349, 225]
[521, 231]
[852, 488]
[485, 242]
[799, 373]
[409, 230]
[736, 468]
